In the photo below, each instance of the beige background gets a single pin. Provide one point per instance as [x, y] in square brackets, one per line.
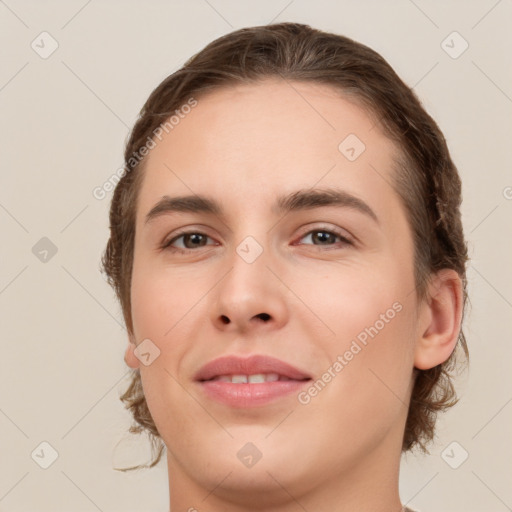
[64, 122]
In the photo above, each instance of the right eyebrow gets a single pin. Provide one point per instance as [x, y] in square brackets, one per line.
[193, 204]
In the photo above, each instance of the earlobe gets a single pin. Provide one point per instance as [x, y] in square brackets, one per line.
[442, 320]
[129, 356]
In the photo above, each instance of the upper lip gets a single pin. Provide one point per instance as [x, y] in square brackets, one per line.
[255, 364]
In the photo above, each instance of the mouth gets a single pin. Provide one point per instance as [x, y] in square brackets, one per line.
[249, 382]
[256, 378]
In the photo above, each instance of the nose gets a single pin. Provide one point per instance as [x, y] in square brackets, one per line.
[250, 296]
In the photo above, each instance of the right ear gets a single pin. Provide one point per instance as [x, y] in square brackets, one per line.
[129, 356]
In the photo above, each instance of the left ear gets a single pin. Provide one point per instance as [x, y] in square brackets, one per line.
[440, 320]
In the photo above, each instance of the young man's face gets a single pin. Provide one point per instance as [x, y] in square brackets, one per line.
[256, 280]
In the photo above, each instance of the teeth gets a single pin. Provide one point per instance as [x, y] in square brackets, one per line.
[257, 378]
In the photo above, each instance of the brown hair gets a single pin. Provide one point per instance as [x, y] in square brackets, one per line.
[426, 179]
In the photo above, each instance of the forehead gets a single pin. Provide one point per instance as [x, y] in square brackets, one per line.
[268, 138]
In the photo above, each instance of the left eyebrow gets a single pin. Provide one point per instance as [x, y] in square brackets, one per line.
[304, 199]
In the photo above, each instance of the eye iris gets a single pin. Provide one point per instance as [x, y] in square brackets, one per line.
[193, 237]
[325, 237]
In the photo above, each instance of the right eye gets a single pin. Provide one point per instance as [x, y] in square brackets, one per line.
[191, 240]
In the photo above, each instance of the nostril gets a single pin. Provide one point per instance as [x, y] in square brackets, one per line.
[224, 319]
[264, 316]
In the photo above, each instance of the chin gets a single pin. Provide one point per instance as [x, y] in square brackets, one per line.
[243, 470]
[261, 486]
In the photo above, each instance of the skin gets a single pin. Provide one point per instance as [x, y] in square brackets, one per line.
[244, 146]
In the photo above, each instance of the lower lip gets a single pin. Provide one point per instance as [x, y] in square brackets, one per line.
[250, 395]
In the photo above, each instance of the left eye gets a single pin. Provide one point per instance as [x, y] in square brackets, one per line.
[325, 237]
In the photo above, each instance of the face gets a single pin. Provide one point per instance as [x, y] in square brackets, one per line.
[324, 284]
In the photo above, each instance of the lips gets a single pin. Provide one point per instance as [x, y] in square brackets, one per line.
[257, 365]
[249, 382]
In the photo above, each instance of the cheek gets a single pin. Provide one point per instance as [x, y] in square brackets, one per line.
[371, 312]
[159, 310]
[160, 301]
[357, 299]
[365, 390]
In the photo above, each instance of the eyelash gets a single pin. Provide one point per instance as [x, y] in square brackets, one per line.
[167, 244]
